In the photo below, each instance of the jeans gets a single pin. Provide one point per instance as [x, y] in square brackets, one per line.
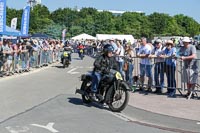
[50, 54]
[129, 74]
[159, 75]
[1, 64]
[45, 56]
[121, 64]
[32, 59]
[70, 57]
[171, 82]
[24, 61]
[95, 81]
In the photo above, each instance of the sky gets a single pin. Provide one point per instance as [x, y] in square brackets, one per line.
[190, 8]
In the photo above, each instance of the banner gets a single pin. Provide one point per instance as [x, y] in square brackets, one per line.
[63, 34]
[14, 23]
[2, 16]
[25, 21]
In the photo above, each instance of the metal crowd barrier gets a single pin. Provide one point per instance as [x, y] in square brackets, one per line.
[25, 61]
[178, 74]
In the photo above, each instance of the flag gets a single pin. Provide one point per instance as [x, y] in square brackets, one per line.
[2, 16]
[25, 21]
[63, 34]
[13, 23]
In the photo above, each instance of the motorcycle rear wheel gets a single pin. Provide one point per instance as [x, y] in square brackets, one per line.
[86, 85]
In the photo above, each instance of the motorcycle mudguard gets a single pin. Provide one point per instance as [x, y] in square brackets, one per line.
[127, 86]
[85, 76]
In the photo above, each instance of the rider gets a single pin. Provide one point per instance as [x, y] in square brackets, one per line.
[68, 48]
[80, 47]
[102, 65]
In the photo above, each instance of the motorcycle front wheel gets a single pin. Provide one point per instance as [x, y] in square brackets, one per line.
[118, 99]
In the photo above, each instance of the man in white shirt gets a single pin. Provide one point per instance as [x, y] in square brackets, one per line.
[145, 62]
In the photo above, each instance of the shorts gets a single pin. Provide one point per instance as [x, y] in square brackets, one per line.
[146, 69]
[9, 62]
[190, 76]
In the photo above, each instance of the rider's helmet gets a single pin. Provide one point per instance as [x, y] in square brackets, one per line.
[66, 49]
[108, 48]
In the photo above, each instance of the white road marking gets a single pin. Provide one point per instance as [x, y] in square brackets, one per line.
[49, 127]
[118, 115]
[198, 123]
[121, 116]
[17, 129]
[72, 71]
[81, 67]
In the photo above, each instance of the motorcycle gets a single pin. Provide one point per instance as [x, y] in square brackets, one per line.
[112, 90]
[65, 59]
[81, 55]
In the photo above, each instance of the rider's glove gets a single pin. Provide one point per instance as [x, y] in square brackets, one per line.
[106, 71]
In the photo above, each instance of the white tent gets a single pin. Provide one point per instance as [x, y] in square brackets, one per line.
[113, 36]
[84, 37]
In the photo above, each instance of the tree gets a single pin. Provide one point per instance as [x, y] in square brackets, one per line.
[90, 21]
[188, 24]
[39, 18]
[54, 30]
[104, 22]
[12, 13]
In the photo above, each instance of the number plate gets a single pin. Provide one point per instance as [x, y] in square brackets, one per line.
[65, 54]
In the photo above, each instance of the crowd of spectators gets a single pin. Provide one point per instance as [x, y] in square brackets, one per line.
[152, 60]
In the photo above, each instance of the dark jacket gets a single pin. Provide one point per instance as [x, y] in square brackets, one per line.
[1, 53]
[103, 64]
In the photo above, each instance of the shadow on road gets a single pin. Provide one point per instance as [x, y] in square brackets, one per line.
[58, 66]
[77, 101]
[76, 58]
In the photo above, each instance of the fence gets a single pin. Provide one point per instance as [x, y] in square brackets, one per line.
[24, 61]
[162, 75]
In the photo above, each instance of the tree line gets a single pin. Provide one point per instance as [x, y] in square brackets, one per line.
[90, 21]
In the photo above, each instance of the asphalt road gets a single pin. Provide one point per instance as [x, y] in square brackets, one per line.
[44, 102]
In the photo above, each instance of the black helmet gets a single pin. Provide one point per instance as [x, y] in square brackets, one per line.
[108, 48]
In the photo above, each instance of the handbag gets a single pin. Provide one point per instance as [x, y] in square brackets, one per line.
[125, 67]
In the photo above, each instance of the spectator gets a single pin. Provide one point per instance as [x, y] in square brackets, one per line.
[145, 63]
[120, 53]
[24, 56]
[129, 54]
[7, 49]
[190, 68]
[169, 53]
[159, 66]
[16, 58]
[1, 58]
[45, 55]
[114, 45]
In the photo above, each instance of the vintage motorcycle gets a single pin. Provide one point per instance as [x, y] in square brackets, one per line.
[65, 59]
[81, 54]
[112, 90]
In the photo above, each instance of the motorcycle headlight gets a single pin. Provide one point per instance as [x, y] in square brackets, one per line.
[118, 76]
